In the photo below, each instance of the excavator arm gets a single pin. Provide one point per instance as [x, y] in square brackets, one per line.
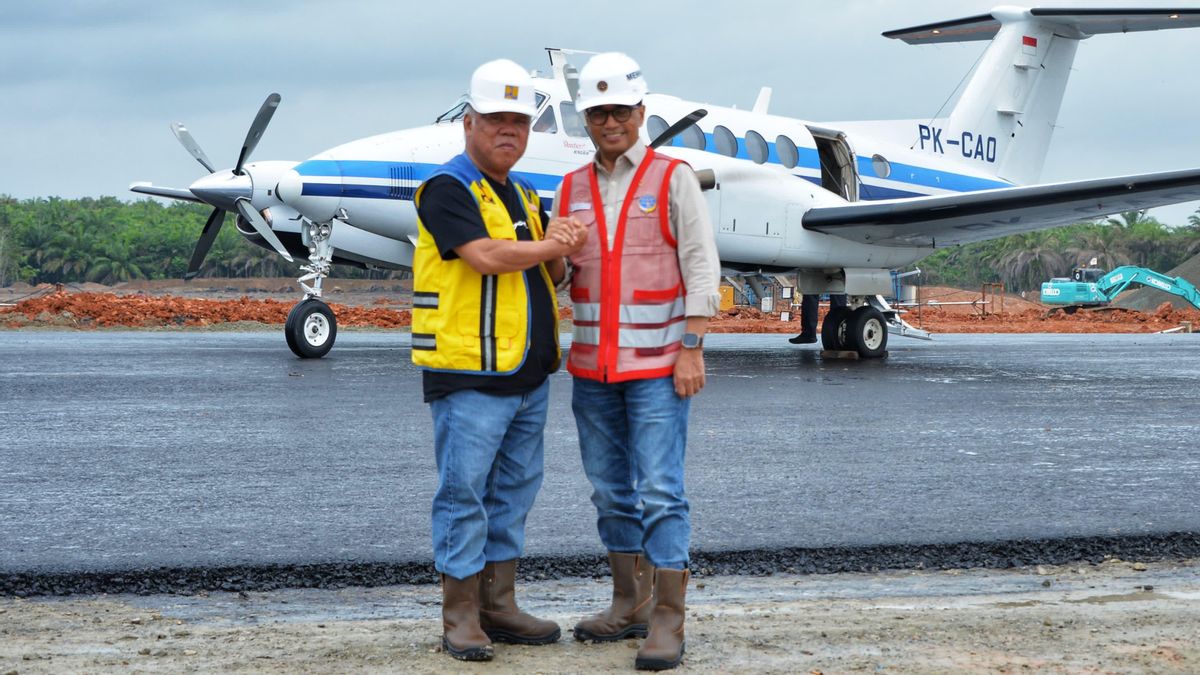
[1118, 280]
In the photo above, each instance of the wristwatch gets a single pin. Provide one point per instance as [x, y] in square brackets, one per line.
[692, 341]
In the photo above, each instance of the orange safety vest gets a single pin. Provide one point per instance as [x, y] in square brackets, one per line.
[628, 302]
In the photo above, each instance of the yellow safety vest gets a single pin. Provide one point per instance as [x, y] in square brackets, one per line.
[464, 321]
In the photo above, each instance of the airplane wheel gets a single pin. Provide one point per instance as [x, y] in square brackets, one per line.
[311, 329]
[833, 329]
[867, 332]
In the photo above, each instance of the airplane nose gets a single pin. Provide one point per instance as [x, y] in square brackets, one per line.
[316, 200]
[223, 189]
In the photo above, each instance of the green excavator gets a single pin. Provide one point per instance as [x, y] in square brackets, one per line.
[1092, 287]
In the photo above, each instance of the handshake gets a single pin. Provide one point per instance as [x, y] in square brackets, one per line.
[568, 232]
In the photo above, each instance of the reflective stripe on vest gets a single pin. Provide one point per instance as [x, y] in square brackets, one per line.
[639, 314]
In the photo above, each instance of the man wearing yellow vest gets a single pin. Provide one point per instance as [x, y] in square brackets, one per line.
[485, 331]
[643, 287]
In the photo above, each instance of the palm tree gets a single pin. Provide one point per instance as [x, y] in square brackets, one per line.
[1102, 242]
[1031, 260]
[114, 264]
[1128, 220]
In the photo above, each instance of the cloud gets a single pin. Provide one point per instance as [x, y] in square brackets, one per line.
[89, 87]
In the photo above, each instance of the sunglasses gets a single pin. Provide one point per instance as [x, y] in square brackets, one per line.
[619, 113]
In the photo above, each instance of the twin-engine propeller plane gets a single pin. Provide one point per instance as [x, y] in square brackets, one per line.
[840, 204]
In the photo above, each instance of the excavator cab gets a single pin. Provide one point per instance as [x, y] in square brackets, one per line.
[1087, 274]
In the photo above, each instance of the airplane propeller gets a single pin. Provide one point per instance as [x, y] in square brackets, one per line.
[679, 127]
[224, 191]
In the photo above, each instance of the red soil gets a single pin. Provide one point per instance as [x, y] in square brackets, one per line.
[95, 309]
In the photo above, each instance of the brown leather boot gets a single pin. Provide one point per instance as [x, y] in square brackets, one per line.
[499, 615]
[629, 614]
[663, 648]
[462, 637]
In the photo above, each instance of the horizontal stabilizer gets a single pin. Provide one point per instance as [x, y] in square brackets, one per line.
[947, 220]
[1074, 22]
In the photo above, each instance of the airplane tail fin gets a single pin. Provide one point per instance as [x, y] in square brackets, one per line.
[1005, 117]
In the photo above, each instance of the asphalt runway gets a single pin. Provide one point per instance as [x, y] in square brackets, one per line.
[136, 450]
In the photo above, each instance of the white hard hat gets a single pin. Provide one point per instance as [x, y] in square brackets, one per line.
[502, 86]
[611, 78]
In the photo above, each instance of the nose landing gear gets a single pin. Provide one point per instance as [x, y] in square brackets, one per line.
[311, 327]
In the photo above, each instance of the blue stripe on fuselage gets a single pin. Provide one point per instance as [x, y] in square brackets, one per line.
[349, 169]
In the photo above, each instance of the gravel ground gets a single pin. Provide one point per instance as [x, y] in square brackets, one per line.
[1110, 617]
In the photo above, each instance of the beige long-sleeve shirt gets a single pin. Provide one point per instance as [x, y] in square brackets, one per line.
[699, 264]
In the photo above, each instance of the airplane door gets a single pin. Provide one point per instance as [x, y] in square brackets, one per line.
[839, 173]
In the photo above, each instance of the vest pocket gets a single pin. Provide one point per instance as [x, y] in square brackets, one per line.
[642, 229]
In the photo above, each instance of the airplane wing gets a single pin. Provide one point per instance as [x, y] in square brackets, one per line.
[963, 218]
[1079, 22]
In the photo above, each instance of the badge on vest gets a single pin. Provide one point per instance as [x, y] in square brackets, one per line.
[647, 203]
[580, 206]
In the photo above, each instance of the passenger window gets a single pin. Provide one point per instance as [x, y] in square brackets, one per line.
[546, 123]
[756, 146]
[786, 149]
[693, 137]
[571, 120]
[725, 141]
[656, 125]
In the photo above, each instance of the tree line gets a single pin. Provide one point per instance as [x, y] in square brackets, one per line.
[107, 240]
[1023, 261]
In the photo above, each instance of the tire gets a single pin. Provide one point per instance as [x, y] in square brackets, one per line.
[833, 329]
[867, 332]
[311, 329]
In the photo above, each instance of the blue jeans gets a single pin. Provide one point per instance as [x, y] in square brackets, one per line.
[489, 457]
[632, 437]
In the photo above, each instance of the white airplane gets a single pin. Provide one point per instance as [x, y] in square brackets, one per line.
[840, 204]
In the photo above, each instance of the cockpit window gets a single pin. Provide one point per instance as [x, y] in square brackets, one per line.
[546, 124]
[459, 109]
[571, 120]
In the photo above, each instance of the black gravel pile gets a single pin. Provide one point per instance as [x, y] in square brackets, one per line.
[992, 555]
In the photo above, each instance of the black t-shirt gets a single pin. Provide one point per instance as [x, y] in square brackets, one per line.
[450, 214]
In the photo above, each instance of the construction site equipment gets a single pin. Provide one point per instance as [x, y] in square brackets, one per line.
[1091, 287]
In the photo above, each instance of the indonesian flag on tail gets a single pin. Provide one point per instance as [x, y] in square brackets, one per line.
[1029, 45]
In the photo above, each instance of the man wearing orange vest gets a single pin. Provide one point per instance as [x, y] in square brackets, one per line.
[643, 287]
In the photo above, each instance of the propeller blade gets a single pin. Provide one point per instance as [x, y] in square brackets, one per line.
[261, 120]
[211, 229]
[170, 193]
[190, 144]
[260, 226]
[678, 128]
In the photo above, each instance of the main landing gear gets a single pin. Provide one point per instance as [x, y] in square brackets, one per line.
[863, 330]
[311, 326]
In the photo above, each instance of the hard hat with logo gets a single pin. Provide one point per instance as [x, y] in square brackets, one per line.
[502, 86]
[611, 78]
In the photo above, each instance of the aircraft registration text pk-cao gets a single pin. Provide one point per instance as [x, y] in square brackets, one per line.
[971, 145]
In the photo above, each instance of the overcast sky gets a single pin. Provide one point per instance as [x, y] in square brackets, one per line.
[88, 87]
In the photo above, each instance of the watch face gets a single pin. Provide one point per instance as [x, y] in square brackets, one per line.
[691, 340]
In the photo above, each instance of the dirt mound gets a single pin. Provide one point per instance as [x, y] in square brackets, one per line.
[97, 310]
[377, 304]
